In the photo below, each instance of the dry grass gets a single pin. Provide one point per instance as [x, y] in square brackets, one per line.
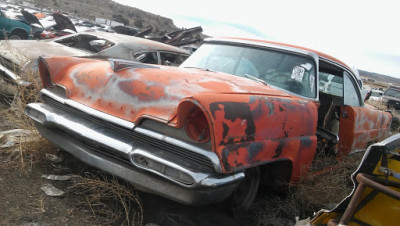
[109, 199]
[13, 100]
[315, 192]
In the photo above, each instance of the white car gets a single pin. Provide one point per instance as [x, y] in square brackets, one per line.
[376, 95]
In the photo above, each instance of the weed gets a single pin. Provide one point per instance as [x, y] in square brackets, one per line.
[315, 192]
[100, 193]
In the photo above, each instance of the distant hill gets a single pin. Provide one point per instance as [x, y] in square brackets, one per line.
[385, 79]
[107, 9]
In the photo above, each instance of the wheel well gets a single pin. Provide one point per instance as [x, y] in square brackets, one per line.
[276, 174]
[20, 32]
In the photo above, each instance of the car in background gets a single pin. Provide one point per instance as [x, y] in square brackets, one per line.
[13, 29]
[236, 114]
[391, 97]
[376, 95]
[19, 56]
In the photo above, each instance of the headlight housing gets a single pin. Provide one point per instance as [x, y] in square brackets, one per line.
[196, 126]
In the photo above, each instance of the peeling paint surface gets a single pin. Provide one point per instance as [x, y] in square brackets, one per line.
[253, 129]
[132, 94]
[361, 127]
[251, 123]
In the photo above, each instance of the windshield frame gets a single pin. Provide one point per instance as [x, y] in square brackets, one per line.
[276, 48]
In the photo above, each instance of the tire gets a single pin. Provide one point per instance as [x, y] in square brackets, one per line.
[17, 35]
[242, 198]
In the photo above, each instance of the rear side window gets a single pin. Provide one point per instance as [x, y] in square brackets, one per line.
[172, 59]
[351, 96]
[147, 57]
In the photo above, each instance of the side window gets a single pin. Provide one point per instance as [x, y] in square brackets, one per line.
[172, 59]
[147, 57]
[331, 84]
[351, 96]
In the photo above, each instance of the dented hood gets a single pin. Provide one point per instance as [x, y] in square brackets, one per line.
[139, 92]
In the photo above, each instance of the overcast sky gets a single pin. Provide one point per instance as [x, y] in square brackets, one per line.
[364, 34]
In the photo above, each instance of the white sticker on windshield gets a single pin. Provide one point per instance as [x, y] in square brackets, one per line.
[307, 66]
[298, 73]
[312, 80]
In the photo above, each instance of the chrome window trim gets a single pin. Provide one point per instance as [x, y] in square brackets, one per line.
[352, 77]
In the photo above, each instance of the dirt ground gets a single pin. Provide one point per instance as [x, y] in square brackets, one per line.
[22, 202]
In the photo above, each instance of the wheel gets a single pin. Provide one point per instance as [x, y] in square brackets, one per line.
[242, 198]
[17, 35]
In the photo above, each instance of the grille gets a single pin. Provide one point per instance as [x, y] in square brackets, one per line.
[200, 162]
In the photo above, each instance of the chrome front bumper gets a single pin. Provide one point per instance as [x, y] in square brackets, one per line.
[10, 76]
[145, 166]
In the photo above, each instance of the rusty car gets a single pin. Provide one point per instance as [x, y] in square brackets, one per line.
[17, 57]
[375, 197]
[236, 114]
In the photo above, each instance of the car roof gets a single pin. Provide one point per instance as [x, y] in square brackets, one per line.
[277, 44]
[135, 43]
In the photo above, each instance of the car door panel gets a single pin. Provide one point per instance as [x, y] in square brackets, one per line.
[361, 126]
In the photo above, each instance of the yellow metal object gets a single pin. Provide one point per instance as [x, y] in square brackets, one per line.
[375, 199]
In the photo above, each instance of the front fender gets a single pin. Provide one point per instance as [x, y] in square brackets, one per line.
[250, 130]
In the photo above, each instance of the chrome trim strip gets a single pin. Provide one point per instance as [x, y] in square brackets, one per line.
[211, 190]
[70, 124]
[12, 77]
[89, 110]
[210, 155]
[129, 125]
[76, 127]
[198, 178]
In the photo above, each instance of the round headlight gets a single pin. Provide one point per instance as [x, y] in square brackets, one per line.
[196, 126]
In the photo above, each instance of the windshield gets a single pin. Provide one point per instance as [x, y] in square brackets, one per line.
[293, 73]
[376, 94]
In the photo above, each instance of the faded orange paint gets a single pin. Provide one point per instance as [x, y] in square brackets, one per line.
[360, 127]
[252, 130]
[269, 125]
[251, 123]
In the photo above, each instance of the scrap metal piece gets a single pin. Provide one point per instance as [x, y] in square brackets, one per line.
[56, 177]
[54, 158]
[50, 190]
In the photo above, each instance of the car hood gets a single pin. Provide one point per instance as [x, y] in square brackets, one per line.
[21, 51]
[30, 18]
[63, 22]
[147, 90]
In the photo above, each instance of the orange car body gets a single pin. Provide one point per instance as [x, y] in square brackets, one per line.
[246, 124]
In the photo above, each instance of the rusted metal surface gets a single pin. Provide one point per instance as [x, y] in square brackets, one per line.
[23, 54]
[251, 123]
[360, 127]
[144, 32]
[181, 37]
[208, 128]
